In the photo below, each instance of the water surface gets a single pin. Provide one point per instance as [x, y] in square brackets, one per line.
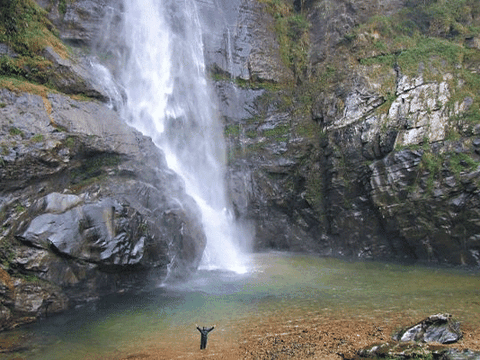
[293, 285]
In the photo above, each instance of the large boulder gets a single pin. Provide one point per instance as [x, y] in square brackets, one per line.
[88, 207]
[423, 341]
[440, 328]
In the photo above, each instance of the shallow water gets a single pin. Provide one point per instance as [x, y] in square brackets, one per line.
[296, 284]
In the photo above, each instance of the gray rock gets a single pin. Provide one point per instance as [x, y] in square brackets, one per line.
[5, 50]
[59, 203]
[416, 351]
[83, 20]
[74, 78]
[94, 206]
[440, 328]
[455, 354]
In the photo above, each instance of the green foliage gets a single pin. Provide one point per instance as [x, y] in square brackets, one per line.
[293, 35]
[15, 131]
[93, 170]
[315, 189]
[7, 252]
[309, 129]
[432, 163]
[37, 138]
[435, 165]
[232, 130]
[426, 37]
[277, 131]
[19, 208]
[34, 68]
[422, 29]
[70, 142]
[62, 7]
[252, 134]
[5, 149]
[2, 105]
[24, 27]
[459, 162]
[8, 15]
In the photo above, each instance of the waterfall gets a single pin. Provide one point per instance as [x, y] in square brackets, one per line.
[169, 99]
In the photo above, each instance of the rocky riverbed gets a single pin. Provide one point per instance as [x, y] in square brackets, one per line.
[316, 335]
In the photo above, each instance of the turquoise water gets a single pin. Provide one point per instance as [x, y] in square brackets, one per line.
[276, 283]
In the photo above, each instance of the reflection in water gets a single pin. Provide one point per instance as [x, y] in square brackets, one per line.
[166, 316]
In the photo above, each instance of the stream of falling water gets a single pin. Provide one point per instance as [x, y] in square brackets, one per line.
[169, 99]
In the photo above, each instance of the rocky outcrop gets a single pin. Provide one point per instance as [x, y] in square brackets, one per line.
[415, 350]
[240, 43]
[76, 78]
[422, 341]
[88, 207]
[81, 22]
[439, 328]
[374, 164]
[332, 21]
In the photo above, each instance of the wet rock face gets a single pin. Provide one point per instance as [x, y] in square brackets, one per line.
[356, 174]
[239, 41]
[81, 22]
[88, 207]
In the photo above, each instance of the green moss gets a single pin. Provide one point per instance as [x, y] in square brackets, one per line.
[18, 84]
[70, 142]
[459, 162]
[7, 252]
[37, 138]
[93, 170]
[252, 134]
[292, 31]
[308, 129]
[232, 130]
[5, 149]
[24, 27]
[62, 7]
[426, 35]
[15, 131]
[433, 164]
[277, 131]
[314, 194]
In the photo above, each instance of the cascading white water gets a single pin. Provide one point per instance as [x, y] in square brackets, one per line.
[169, 99]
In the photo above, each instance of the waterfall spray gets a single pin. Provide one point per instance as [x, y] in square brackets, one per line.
[169, 99]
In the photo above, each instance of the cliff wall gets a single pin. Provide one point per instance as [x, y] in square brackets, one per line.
[370, 148]
[88, 206]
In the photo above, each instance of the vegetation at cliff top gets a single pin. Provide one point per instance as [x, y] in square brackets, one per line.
[292, 29]
[430, 38]
[24, 27]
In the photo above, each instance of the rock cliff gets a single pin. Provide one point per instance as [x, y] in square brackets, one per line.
[88, 206]
[372, 150]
